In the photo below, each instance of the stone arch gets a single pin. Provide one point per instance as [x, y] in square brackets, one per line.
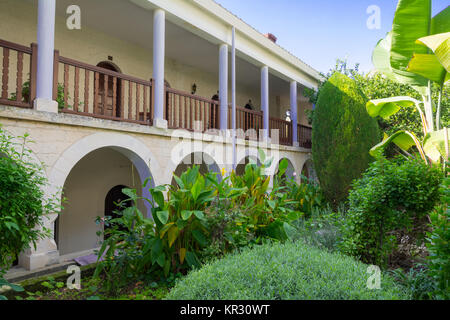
[210, 160]
[136, 151]
[308, 171]
[291, 172]
[126, 147]
[204, 160]
[245, 157]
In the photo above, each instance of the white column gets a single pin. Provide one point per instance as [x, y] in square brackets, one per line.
[46, 47]
[223, 86]
[265, 100]
[159, 34]
[294, 113]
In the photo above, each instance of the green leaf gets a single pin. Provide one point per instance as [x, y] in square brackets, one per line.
[441, 22]
[387, 107]
[200, 237]
[381, 57]
[186, 214]
[434, 145]
[428, 66]
[192, 260]
[161, 260]
[163, 216]
[3, 298]
[179, 181]
[156, 249]
[15, 287]
[440, 45]
[403, 139]
[283, 167]
[158, 197]
[197, 187]
[289, 230]
[412, 21]
[199, 214]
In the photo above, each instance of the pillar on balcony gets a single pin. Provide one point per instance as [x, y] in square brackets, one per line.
[159, 34]
[294, 113]
[46, 46]
[265, 100]
[223, 86]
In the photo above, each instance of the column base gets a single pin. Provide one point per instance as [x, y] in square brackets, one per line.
[296, 144]
[160, 123]
[33, 261]
[45, 105]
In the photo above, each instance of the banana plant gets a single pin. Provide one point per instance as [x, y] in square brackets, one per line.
[415, 52]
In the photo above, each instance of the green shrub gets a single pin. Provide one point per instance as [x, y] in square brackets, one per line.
[438, 244]
[389, 202]
[342, 137]
[308, 196]
[291, 271]
[322, 229]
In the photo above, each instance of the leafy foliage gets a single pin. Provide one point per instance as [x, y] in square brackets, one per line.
[290, 271]
[23, 204]
[342, 136]
[392, 199]
[377, 86]
[438, 244]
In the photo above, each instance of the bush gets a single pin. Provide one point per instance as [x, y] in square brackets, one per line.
[22, 202]
[322, 230]
[342, 137]
[387, 206]
[291, 271]
[438, 244]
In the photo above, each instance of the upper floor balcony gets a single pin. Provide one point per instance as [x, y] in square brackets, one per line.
[114, 68]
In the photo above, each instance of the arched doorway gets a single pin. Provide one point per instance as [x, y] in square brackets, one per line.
[308, 172]
[92, 188]
[113, 198]
[105, 104]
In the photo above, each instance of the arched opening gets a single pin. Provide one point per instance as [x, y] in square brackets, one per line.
[113, 198]
[290, 173]
[240, 168]
[92, 188]
[105, 104]
[206, 163]
[308, 172]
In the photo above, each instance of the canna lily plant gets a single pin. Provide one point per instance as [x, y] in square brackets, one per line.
[416, 52]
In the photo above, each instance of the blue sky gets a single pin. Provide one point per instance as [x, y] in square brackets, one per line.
[320, 31]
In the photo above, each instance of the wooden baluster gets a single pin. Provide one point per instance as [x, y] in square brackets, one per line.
[122, 99]
[114, 98]
[180, 112]
[144, 88]
[130, 100]
[76, 88]
[5, 77]
[191, 116]
[105, 92]
[185, 123]
[138, 102]
[96, 89]
[33, 73]
[86, 90]
[19, 76]
[66, 85]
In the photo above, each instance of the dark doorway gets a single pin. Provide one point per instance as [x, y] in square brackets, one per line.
[113, 198]
[105, 104]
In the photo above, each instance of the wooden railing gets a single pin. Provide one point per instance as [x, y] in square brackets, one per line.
[88, 90]
[114, 96]
[304, 136]
[284, 130]
[190, 112]
[247, 120]
[16, 89]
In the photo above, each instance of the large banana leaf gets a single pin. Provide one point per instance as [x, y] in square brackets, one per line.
[428, 66]
[412, 21]
[403, 139]
[434, 145]
[440, 45]
[441, 22]
[387, 107]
